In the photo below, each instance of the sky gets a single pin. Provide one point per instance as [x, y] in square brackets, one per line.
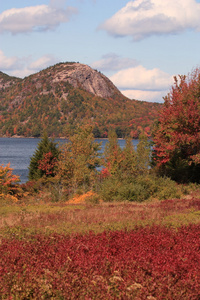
[140, 45]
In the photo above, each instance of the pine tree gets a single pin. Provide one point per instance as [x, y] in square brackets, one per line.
[143, 154]
[129, 163]
[43, 161]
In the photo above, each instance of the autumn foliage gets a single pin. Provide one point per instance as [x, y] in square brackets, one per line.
[147, 263]
[9, 184]
[177, 135]
[47, 164]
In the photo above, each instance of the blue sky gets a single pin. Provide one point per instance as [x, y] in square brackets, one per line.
[140, 45]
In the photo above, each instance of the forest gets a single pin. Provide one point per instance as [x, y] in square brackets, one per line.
[121, 225]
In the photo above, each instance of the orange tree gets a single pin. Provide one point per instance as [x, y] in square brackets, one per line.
[9, 184]
[177, 134]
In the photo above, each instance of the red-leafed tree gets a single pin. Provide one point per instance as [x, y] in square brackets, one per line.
[177, 134]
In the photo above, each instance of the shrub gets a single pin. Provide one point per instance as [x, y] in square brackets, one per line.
[138, 189]
[9, 184]
[145, 263]
[113, 189]
[167, 189]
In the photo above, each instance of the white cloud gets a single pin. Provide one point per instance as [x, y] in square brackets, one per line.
[150, 96]
[40, 17]
[8, 63]
[35, 66]
[57, 3]
[140, 78]
[21, 67]
[142, 18]
[21, 73]
[113, 62]
[43, 62]
[143, 84]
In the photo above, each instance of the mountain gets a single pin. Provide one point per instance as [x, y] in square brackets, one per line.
[82, 76]
[64, 96]
[7, 81]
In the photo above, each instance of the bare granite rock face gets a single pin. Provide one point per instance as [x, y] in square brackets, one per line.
[82, 76]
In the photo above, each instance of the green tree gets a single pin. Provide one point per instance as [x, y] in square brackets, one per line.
[126, 170]
[79, 159]
[129, 162]
[113, 154]
[143, 155]
[43, 161]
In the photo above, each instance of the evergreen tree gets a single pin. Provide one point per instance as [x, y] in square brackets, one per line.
[129, 163]
[43, 161]
[143, 154]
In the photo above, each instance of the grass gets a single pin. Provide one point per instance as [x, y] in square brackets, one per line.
[69, 217]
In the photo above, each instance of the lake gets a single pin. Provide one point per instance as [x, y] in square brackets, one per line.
[18, 151]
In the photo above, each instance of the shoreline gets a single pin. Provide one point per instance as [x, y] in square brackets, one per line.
[55, 138]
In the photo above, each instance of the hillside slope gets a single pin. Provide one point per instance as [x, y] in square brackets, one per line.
[7, 81]
[66, 95]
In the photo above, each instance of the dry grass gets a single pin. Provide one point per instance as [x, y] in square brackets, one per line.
[79, 215]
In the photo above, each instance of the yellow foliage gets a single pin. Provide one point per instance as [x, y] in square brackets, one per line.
[9, 187]
[81, 198]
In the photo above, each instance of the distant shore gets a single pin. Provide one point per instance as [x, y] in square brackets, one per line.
[61, 138]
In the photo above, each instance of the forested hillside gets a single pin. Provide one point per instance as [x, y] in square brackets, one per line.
[7, 81]
[66, 95]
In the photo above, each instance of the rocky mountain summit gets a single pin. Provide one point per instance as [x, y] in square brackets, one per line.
[80, 75]
[67, 95]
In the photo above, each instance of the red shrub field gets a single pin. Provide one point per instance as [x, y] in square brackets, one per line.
[151, 262]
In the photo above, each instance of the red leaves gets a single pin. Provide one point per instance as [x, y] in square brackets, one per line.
[178, 130]
[152, 261]
[105, 173]
[47, 164]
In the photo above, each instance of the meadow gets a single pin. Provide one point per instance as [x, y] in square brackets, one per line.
[78, 249]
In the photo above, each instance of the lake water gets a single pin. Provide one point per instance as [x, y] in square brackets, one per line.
[18, 151]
